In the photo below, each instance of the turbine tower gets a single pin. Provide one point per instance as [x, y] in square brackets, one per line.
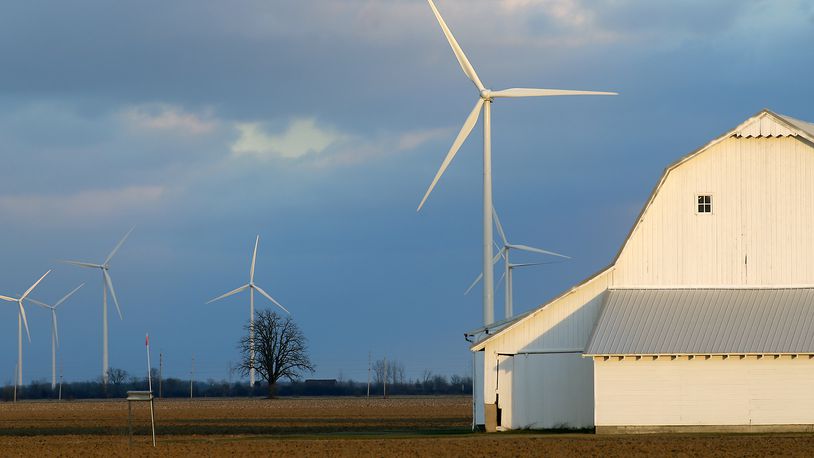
[484, 103]
[251, 286]
[107, 284]
[54, 331]
[21, 319]
[508, 267]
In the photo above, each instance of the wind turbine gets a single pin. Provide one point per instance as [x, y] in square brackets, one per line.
[21, 319]
[503, 252]
[251, 286]
[54, 331]
[107, 284]
[484, 103]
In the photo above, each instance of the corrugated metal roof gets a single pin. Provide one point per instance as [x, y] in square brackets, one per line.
[806, 127]
[705, 321]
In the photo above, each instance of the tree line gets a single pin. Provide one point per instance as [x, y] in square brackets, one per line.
[428, 384]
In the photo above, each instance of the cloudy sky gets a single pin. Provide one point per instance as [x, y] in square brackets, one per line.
[318, 125]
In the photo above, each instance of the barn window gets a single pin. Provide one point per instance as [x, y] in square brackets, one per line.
[705, 203]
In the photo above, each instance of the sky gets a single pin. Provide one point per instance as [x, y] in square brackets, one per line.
[318, 126]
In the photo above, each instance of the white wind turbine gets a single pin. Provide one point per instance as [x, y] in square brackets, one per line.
[21, 319]
[54, 331]
[508, 267]
[251, 286]
[107, 284]
[486, 97]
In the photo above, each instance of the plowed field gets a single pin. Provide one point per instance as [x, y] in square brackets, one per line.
[330, 427]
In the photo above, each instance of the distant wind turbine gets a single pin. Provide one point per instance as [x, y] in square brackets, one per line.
[251, 286]
[54, 331]
[107, 284]
[503, 252]
[21, 319]
[486, 97]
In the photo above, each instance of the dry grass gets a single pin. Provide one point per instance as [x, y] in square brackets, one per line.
[331, 427]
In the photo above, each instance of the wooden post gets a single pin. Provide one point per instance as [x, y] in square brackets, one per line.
[139, 396]
[129, 423]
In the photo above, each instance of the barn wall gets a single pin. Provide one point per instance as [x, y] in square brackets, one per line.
[545, 391]
[758, 233]
[716, 391]
[554, 389]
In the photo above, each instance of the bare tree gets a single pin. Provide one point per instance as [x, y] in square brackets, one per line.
[280, 349]
[117, 376]
[392, 370]
[395, 372]
[379, 371]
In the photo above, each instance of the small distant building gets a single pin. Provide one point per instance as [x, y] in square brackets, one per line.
[705, 319]
[320, 383]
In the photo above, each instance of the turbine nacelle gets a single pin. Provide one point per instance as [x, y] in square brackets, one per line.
[486, 94]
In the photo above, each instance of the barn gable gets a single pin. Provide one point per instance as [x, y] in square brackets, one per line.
[734, 213]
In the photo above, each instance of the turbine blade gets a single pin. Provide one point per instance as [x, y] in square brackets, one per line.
[495, 259]
[529, 264]
[459, 140]
[499, 227]
[528, 92]
[9, 299]
[36, 302]
[254, 258]
[68, 295]
[537, 250]
[456, 49]
[234, 291]
[500, 280]
[109, 284]
[83, 264]
[119, 245]
[497, 256]
[28, 291]
[260, 290]
[477, 279]
[54, 324]
[25, 320]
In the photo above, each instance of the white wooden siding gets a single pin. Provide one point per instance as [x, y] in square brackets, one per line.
[563, 325]
[701, 391]
[545, 391]
[759, 232]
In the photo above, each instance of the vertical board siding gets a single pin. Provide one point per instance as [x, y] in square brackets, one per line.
[715, 391]
[564, 324]
[546, 391]
[759, 231]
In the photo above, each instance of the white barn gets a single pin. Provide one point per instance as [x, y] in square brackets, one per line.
[704, 320]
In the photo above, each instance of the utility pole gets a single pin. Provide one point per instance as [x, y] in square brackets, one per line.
[15, 383]
[191, 377]
[384, 394]
[160, 370]
[368, 375]
[60, 381]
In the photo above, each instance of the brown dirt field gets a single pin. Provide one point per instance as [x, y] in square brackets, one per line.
[331, 427]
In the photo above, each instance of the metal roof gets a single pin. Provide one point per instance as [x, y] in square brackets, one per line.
[705, 321]
[806, 127]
